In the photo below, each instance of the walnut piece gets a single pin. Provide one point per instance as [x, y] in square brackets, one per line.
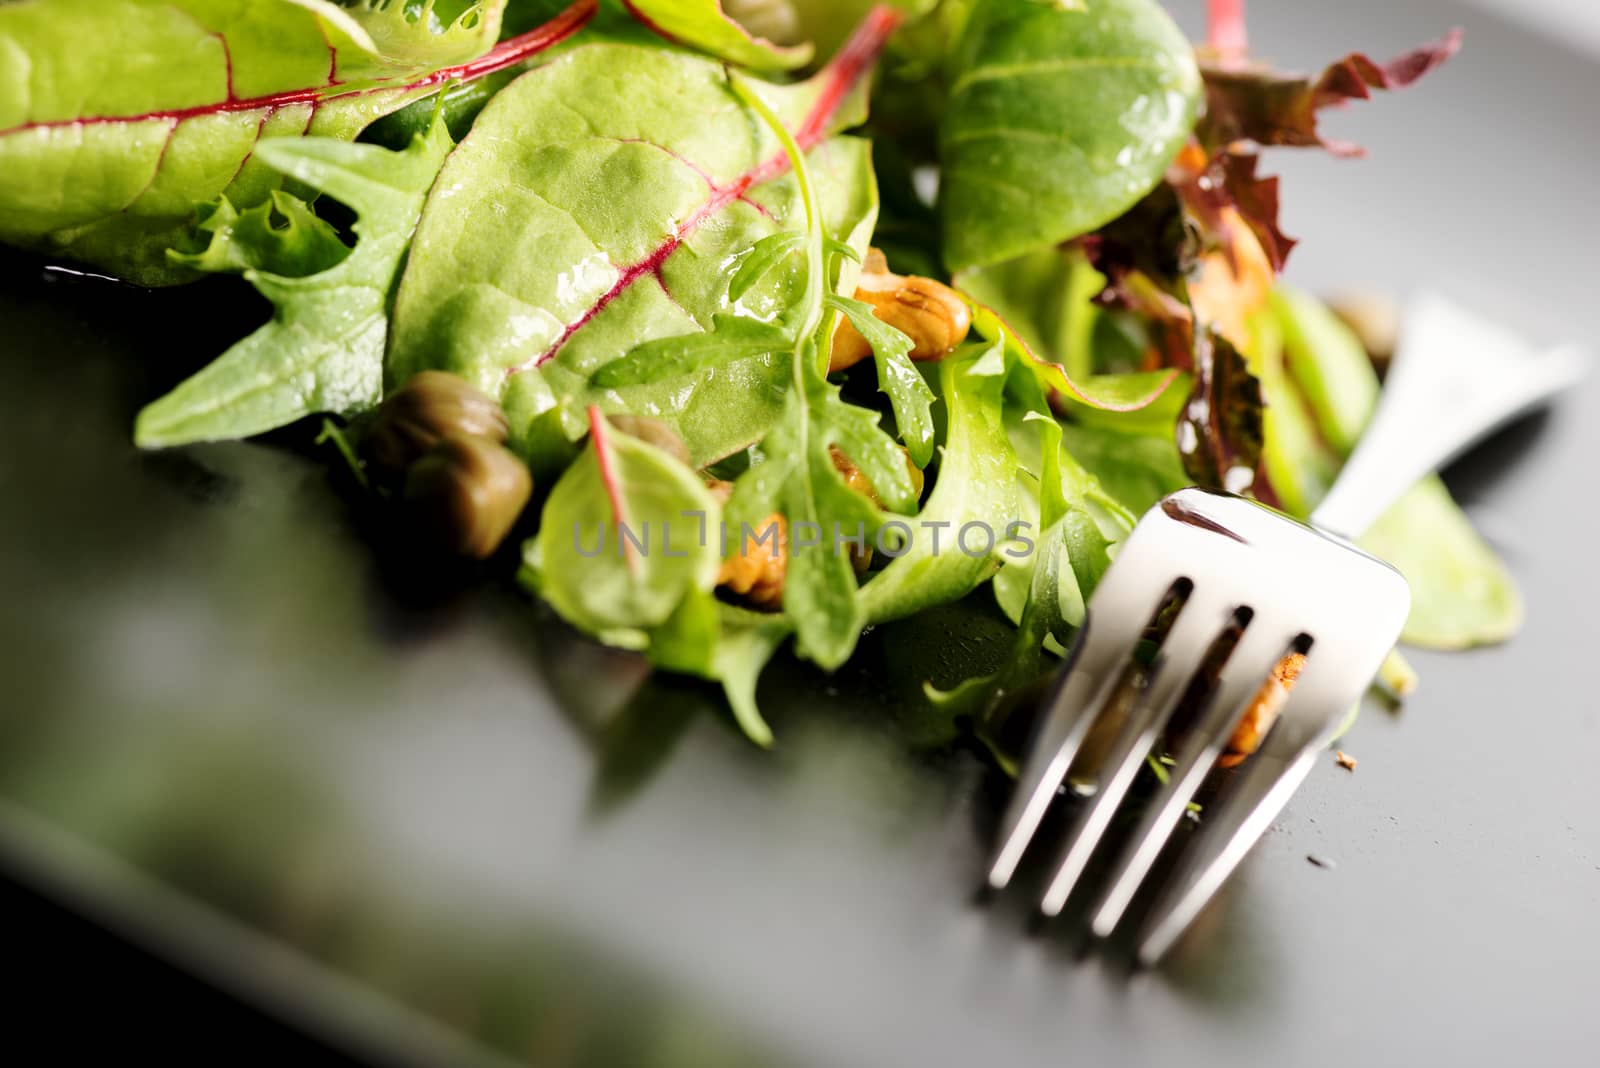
[928, 312]
[1263, 710]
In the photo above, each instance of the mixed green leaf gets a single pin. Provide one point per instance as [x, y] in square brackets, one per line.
[639, 229]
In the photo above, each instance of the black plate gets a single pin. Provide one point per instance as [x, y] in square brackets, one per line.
[425, 817]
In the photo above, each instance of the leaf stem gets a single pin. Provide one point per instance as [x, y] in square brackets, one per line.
[1225, 30]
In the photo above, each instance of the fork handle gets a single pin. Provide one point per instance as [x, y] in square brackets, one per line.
[1454, 379]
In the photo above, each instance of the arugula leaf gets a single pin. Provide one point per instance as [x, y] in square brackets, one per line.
[976, 484]
[280, 236]
[633, 174]
[155, 107]
[908, 393]
[799, 479]
[1059, 118]
[323, 349]
[702, 24]
[767, 253]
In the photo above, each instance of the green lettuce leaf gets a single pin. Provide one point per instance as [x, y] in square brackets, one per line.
[1040, 305]
[1322, 390]
[118, 120]
[603, 201]
[702, 24]
[323, 349]
[1060, 117]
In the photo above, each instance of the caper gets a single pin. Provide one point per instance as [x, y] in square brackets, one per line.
[466, 494]
[652, 432]
[431, 406]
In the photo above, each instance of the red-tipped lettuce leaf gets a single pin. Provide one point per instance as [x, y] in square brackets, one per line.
[1220, 433]
[1253, 103]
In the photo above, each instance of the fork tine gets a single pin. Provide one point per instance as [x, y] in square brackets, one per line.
[1258, 651]
[1254, 799]
[1095, 665]
[1185, 646]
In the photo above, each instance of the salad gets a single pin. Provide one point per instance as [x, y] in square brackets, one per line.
[731, 327]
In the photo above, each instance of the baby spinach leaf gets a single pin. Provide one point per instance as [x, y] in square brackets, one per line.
[702, 24]
[598, 204]
[1136, 468]
[323, 349]
[140, 111]
[1060, 117]
[898, 378]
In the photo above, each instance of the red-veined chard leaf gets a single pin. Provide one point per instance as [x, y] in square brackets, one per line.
[603, 201]
[652, 595]
[323, 349]
[1060, 116]
[119, 120]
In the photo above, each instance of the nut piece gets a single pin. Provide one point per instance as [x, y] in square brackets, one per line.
[1345, 760]
[1263, 710]
[858, 481]
[652, 432]
[928, 312]
[431, 406]
[759, 563]
[467, 493]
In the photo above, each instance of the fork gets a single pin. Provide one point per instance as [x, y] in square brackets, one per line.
[1234, 582]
